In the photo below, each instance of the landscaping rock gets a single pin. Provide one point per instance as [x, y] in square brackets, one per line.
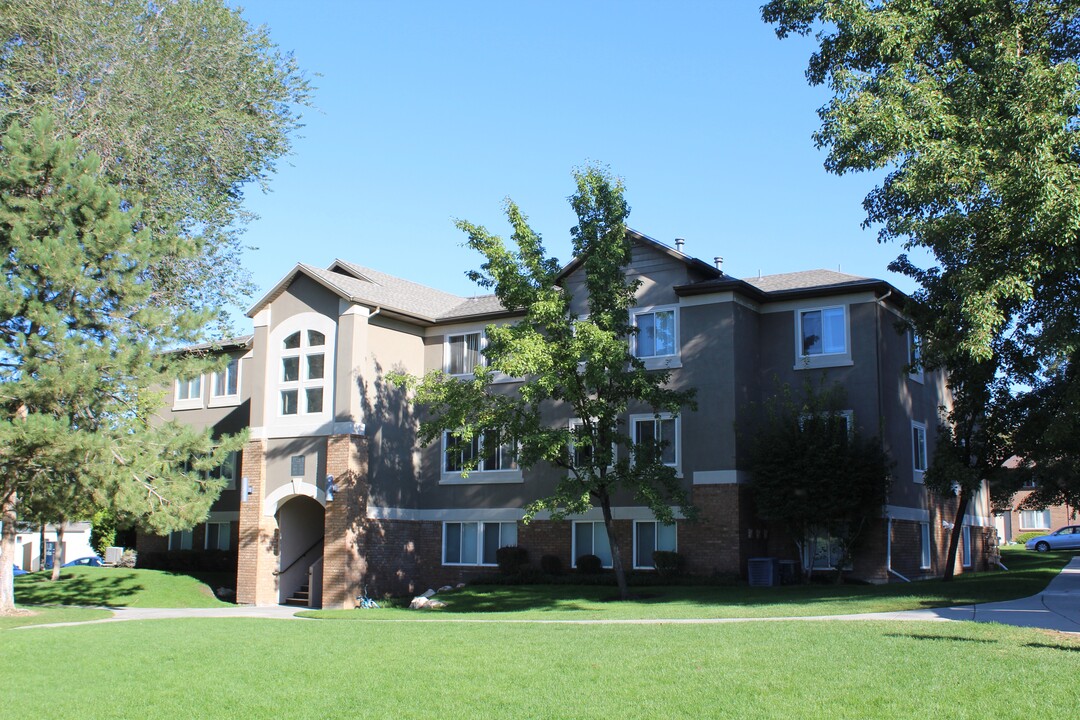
[460, 585]
[434, 604]
[429, 593]
[419, 602]
[446, 588]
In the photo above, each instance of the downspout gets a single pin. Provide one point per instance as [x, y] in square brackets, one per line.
[881, 424]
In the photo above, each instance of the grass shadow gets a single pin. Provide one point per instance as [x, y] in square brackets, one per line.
[954, 638]
[70, 589]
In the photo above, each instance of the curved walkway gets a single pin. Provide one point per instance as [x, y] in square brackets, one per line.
[1055, 608]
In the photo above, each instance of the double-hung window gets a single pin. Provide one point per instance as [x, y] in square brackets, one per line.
[225, 383]
[475, 543]
[918, 450]
[648, 538]
[591, 538]
[657, 436]
[303, 368]
[463, 353]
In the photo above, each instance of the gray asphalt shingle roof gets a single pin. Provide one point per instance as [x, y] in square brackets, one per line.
[803, 280]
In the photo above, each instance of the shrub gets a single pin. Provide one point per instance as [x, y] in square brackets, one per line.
[128, 560]
[511, 559]
[667, 563]
[589, 564]
[1024, 537]
[551, 565]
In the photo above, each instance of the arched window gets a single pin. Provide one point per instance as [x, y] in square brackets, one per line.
[302, 373]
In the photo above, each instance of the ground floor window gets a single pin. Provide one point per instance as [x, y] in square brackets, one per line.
[924, 533]
[475, 543]
[650, 537]
[1035, 519]
[591, 538]
[217, 536]
[180, 540]
[823, 552]
[966, 536]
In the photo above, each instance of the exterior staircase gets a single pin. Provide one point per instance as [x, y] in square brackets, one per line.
[300, 598]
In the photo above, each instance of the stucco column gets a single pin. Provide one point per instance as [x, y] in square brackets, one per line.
[352, 348]
[344, 564]
[257, 558]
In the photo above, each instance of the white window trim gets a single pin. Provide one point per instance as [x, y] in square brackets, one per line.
[1045, 513]
[194, 403]
[479, 540]
[917, 475]
[677, 441]
[228, 399]
[578, 422]
[914, 348]
[657, 362]
[481, 347]
[634, 538]
[822, 360]
[477, 476]
[575, 554]
[926, 550]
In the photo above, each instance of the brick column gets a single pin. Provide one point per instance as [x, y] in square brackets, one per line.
[257, 558]
[344, 564]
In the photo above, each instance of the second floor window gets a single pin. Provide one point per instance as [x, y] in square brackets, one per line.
[657, 334]
[918, 449]
[463, 353]
[225, 383]
[823, 331]
[486, 449]
[303, 373]
[660, 434]
[189, 389]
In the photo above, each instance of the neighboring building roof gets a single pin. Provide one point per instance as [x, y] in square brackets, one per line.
[700, 265]
[239, 341]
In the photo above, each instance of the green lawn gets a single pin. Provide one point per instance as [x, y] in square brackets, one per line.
[1028, 574]
[114, 587]
[296, 669]
[43, 615]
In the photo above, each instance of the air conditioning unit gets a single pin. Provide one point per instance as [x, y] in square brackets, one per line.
[761, 571]
[113, 555]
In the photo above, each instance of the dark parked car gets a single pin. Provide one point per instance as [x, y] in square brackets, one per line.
[1067, 538]
[91, 561]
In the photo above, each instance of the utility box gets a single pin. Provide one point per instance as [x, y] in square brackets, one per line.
[113, 555]
[762, 572]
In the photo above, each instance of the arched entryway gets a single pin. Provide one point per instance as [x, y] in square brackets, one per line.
[300, 522]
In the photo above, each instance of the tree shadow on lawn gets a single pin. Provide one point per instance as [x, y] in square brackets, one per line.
[38, 589]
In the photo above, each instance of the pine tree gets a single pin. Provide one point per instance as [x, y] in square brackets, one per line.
[81, 349]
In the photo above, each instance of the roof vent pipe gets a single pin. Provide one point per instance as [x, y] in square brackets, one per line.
[679, 243]
[719, 262]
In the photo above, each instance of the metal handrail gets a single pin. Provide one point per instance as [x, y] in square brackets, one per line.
[300, 556]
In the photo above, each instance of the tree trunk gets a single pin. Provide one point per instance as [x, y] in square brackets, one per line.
[616, 556]
[58, 553]
[7, 554]
[41, 548]
[957, 531]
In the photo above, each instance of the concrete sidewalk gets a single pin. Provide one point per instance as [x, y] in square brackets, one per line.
[1055, 608]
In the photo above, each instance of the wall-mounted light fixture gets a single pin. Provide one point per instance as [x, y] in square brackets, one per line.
[330, 488]
[245, 489]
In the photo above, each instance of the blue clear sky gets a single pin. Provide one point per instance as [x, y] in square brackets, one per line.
[428, 112]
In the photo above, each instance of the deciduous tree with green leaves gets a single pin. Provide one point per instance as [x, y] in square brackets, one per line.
[81, 345]
[582, 365]
[814, 474]
[972, 109]
[184, 104]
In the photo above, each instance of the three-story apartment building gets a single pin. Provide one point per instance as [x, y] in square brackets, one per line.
[334, 491]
